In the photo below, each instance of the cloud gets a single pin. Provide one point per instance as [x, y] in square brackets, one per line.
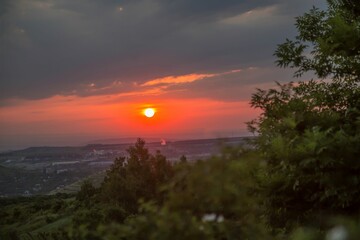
[258, 16]
[61, 47]
[176, 79]
[230, 86]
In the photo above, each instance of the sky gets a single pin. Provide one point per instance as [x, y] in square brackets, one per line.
[72, 72]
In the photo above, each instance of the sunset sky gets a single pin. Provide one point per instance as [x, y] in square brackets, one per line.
[72, 72]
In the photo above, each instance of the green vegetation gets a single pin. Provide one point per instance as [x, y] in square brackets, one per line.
[309, 132]
[136, 177]
[23, 217]
[300, 182]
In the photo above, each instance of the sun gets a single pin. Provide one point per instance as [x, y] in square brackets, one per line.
[149, 112]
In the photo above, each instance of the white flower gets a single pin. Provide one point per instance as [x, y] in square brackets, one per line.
[212, 217]
[209, 217]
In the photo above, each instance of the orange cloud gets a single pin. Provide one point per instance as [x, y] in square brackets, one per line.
[177, 79]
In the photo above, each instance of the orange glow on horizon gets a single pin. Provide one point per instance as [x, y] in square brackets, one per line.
[101, 117]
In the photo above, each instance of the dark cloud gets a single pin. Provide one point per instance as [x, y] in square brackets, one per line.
[4, 9]
[60, 47]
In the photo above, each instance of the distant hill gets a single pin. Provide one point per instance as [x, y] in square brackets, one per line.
[116, 142]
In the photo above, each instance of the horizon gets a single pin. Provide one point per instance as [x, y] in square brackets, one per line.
[118, 141]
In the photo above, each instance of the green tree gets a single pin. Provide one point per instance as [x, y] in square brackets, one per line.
[221, 194]
[328, 42]
[212, 199]
[309, 132]
[87, 191]
[138, 176]
[183, 159]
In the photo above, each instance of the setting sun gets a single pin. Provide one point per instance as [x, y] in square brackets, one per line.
[149, 112]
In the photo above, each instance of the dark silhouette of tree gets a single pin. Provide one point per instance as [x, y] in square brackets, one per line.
[136, 177]
[87, 191]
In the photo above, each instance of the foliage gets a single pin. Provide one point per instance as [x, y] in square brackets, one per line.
[87, 191]
[35, 217]
[328, 42]
[213, 199]
[334, 229]
[136, 177]
[221, 194]
[309, 132]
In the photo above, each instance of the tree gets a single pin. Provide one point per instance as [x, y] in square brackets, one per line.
[220, 193]
[136, 177]
[211, 199]
[328, 42]
[309, 132]
[183, 159]
[87, 191]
